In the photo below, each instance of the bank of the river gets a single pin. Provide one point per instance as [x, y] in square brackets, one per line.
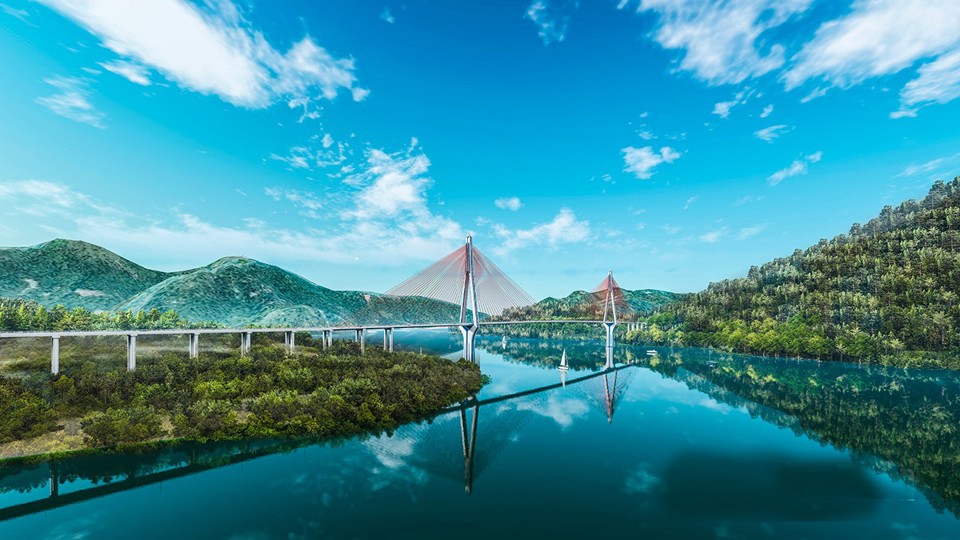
[315, 393]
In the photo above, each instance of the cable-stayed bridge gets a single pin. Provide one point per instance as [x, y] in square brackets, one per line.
[466, 278]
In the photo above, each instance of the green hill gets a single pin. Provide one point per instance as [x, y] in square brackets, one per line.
[233, 291]
[587, 305]
[72, 273]
[888, 290]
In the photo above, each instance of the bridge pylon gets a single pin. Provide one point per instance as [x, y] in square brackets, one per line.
[469, 303]
[610, 288]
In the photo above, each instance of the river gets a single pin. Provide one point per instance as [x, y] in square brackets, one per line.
[684, 444]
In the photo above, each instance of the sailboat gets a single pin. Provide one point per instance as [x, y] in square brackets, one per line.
[563, 368]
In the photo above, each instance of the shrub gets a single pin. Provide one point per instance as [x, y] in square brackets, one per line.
[123, 425]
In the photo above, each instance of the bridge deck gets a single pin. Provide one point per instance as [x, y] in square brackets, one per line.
[313, 329]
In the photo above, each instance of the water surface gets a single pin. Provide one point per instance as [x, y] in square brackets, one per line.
[687, 444]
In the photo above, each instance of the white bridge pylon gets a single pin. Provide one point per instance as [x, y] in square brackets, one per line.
[466, 277]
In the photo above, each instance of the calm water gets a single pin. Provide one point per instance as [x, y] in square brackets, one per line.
[688, 444]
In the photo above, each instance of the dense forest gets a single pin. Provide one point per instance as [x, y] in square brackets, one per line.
[222, 396]
[886, 291]
[27, 315]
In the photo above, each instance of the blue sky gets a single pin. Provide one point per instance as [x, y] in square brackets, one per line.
[353, 142]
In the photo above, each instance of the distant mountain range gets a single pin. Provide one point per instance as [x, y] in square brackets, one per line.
[233, 291]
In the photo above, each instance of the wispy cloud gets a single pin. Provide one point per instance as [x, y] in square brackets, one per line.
[564, 228]
[797, 168]
[131, 71]
[309, 203]
[766, 111]
[551, 17]
[723, 108]
[749, 232]
[933, 165]
[385, 211]
[212, 50]
[713, 237]
[770, 133]
[386, 16]
[509, 203]
[882, 37]
[642, 161]
[72, 101]
[317, 153]
[690, 201]
[722, 41]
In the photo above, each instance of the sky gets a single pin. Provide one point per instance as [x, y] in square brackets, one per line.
[354, 142]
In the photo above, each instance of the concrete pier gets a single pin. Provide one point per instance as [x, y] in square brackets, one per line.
[289, 339]
[469, 332]
[131, 352]
[194, 345]
[55, 355]
[388, 339]
[246, 339]
[362, 338]
[327, 339]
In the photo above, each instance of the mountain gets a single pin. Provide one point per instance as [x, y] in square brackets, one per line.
[72, 273]
[232, 291]
[587, 305]
[887, 290]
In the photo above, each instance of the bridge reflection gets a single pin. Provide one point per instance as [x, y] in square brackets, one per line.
[447, 446]
[453, 446]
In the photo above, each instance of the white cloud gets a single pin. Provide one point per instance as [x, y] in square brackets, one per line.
[131, 71]
[814, 94]
[933, 165]
[714, 236]
[72, 101]
[882, 37]
[212, 50]
[561, 410]
[936, 82]
[509, 203]
[641, 161]
[309, 203]
[563, 229]
[690, 201]
[722, 41]
[748, 199]
[17, 13]
[397, 231]
[723, 108]
[797, 168]
[551, 17]
[770, 133]
[318, 153]
[386, 16]
[766, 111]
[670, 229]
[748, 232]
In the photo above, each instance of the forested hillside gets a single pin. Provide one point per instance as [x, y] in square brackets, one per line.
[887, 287]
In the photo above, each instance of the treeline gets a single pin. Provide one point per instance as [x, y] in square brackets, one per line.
[888, 287]
[27, 315]
[220, 396]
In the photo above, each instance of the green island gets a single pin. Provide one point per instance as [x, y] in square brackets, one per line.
[220, 396]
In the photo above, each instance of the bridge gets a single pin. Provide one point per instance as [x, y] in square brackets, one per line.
[465, 277]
